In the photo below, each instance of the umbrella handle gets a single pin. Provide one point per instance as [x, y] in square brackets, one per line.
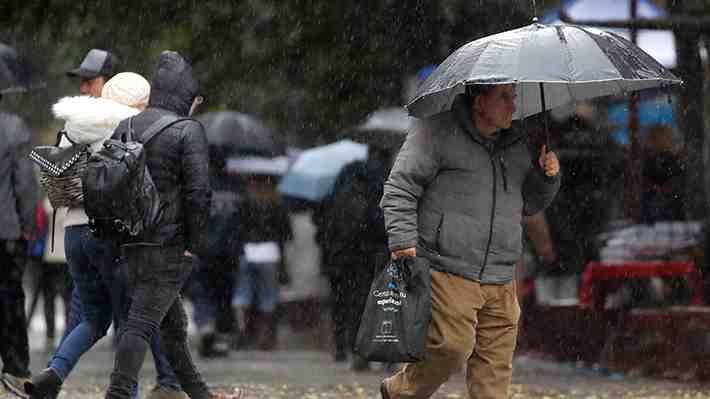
[544, 115]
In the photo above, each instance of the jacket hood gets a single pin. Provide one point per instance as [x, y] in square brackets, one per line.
[90, 120]
[173, 87]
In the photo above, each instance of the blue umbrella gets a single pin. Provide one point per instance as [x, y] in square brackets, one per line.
[313, 174]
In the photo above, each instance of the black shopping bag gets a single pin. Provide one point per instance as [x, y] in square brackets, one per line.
[396, 317]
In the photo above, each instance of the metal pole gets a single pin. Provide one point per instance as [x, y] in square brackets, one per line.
[634, 187]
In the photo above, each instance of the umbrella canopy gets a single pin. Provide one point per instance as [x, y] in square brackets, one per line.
[237, 133]
[14, 75]
[660, 44]
[385, 128]
[552, 65]
[313, 174]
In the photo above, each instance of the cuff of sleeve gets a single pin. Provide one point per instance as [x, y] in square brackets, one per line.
[396, 245]
[552, 179]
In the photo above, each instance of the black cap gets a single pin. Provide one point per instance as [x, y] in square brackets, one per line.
[96, 63]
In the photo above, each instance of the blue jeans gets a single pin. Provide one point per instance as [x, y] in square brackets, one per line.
[99, 292]
[259, 277]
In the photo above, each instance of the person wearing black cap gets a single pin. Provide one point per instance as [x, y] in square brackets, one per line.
[95, 70]
[161, 262]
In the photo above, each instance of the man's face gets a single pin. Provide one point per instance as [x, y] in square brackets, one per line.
[92, 86]
[498, 106]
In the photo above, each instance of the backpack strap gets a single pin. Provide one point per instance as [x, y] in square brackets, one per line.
[160, 125]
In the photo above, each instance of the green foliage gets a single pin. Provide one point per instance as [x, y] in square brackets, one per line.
[308, 68]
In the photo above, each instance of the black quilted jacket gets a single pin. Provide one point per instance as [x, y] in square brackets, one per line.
[177, 157]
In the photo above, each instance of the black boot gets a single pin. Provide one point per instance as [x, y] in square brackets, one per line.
[266, 331]
[45, 385]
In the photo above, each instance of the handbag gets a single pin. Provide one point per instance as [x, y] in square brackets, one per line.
[395, 322]
[60, 170]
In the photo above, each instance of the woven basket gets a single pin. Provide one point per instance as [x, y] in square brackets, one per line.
[65, 190]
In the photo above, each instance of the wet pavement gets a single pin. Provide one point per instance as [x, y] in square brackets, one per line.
[311, 374]
[307, 371]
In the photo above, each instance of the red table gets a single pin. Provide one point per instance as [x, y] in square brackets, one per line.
[597, 272]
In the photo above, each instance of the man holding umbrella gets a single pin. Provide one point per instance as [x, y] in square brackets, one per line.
[456, 196]
[462, 183]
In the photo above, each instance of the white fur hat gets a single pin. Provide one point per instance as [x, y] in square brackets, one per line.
[127, 88]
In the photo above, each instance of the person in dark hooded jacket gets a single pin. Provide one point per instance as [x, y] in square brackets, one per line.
[159, 265]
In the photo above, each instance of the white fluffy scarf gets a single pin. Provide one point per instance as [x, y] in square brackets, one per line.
[90, 120]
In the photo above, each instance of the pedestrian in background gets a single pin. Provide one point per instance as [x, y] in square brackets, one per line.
[18, 194]
[456, 196]
[55, 278]
[264, 228]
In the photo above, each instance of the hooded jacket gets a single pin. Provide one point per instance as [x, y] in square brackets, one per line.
[18, 186]
[88, 120]
[459, 197]
[177, 158]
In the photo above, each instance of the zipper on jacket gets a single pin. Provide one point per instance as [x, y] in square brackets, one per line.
[438, 234]
[493, 213]
[503, 172]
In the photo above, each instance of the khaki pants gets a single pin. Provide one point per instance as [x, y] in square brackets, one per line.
[471, 324]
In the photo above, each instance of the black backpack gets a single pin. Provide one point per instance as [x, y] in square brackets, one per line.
[120, 198]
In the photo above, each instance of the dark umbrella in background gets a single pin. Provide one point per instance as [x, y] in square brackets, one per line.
[231, 135]
[236, 133]
[15, 74]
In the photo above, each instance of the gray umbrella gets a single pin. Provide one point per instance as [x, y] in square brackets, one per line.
[385, 127]
[552, 65]
[14, 75]
[235, 133]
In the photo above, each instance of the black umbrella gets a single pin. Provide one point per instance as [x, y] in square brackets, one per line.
[14, 74]
[385, 128]
[235, 133]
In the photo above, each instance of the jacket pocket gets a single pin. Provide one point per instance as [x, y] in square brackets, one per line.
[461, 236]
[429, 225]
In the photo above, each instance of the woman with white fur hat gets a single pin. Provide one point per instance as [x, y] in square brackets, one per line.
[100, 289]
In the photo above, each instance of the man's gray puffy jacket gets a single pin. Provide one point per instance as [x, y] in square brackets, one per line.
[459, 197]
